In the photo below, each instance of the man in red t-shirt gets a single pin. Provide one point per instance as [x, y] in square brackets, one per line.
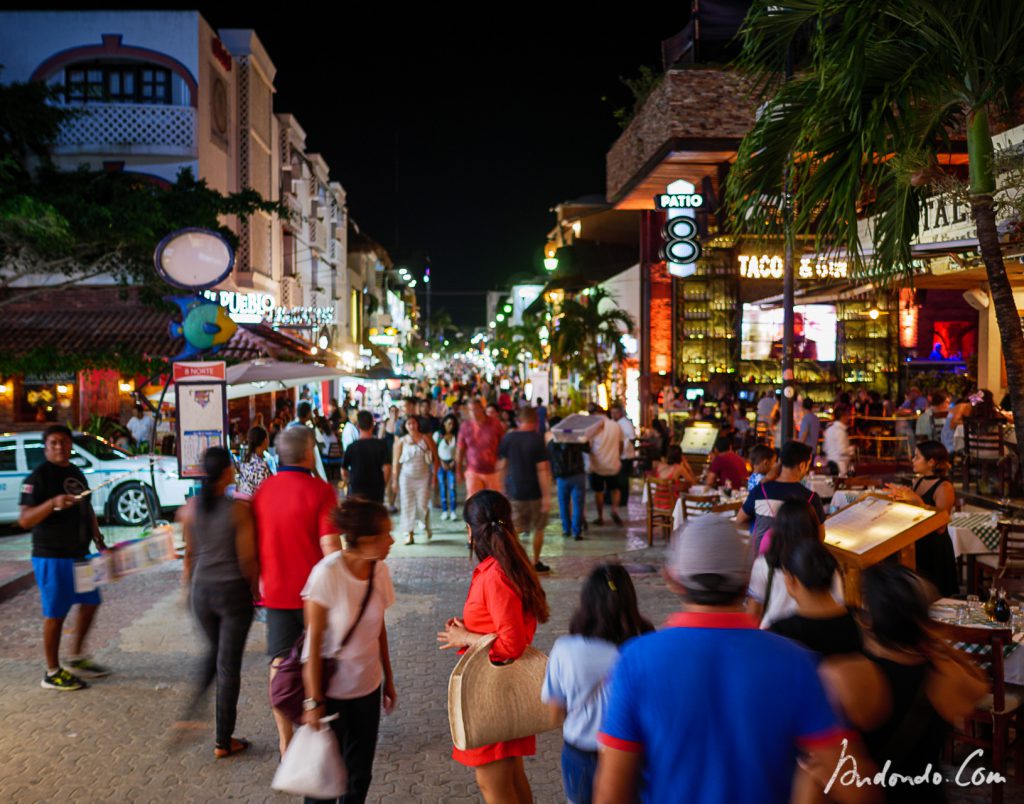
[294, 531]
[476, 451]
[727, 467]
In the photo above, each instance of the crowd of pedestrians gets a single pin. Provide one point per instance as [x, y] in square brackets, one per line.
[755, 690]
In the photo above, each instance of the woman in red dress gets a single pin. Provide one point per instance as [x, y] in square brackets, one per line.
[505, 598]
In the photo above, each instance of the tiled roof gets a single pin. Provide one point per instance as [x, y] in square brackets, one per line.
[105, 320]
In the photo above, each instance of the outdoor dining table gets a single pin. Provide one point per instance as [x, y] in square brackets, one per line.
[944, 610]
[974, 532]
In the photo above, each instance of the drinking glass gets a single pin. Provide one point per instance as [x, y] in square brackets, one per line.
[961, 614]
[973, 602]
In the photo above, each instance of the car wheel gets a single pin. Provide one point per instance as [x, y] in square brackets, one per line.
[129, 504]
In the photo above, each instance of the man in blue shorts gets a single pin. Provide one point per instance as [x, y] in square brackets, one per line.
[710, 709]
[63, 524]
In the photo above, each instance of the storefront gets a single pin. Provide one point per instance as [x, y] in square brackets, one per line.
[80, 355]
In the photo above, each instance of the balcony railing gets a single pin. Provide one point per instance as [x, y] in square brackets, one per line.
[126, 129]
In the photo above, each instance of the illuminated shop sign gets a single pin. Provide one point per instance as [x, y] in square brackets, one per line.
[682, 249]
[772, 266]
[679, 201]
[252, 308]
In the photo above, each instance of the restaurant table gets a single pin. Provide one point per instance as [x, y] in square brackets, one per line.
[974, 532]
[944, 610]
[726, 506]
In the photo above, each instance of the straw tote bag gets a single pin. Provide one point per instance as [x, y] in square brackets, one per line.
[490, 703]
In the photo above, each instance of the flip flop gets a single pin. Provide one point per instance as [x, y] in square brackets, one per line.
[238, 745]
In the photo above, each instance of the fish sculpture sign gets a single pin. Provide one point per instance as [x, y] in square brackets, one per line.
[205, 326]
[196, 260]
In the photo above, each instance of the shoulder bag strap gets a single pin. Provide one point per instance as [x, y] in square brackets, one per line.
[768, 591]
[362, 607]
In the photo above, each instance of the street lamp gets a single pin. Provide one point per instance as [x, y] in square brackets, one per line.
[550, 263]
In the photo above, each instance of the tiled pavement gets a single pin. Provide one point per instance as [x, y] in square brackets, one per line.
[110, 742]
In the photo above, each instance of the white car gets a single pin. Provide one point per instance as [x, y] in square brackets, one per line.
[129, 482]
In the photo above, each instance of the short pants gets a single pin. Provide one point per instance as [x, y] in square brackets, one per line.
[527, 516]
[284, 627]
[602, 483]
[56, 580]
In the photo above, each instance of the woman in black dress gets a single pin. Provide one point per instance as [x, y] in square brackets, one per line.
[936, 560]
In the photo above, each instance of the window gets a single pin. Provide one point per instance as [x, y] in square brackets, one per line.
[33, 454]
[115, 82]
[8, 456]
[99, 448]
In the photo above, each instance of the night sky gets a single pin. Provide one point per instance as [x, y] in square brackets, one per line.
[488, 130]
[488, 122]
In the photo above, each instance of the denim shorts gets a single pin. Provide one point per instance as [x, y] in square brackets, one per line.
[56, 580]
[578, 769]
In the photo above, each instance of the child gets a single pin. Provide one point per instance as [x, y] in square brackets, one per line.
[762, 459]
[580, 664]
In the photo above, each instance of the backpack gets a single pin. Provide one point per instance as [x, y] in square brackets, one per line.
[766, 537]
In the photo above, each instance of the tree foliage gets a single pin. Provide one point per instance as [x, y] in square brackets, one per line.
[588, 335]
[880, 90]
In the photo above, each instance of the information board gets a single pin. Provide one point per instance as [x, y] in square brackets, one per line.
[202, 417]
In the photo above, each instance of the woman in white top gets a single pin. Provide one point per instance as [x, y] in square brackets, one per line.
[415, 467]
[767, 598]
[575, 683]
[348, 591]
[446, 440]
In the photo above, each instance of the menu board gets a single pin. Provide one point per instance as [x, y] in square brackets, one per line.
[871, 522]
[699, 440]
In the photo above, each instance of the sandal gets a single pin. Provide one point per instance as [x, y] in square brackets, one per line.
[238, 745]
[410, 540]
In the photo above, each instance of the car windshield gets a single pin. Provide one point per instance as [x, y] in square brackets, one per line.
[99, 448]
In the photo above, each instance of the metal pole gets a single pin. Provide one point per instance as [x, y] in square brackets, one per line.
[788, 390]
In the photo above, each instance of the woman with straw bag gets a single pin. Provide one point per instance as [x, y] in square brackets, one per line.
[506, 599]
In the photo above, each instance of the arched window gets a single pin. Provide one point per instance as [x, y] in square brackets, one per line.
[117, 82]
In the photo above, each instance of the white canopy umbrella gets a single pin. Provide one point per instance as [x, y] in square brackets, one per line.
[262, 376]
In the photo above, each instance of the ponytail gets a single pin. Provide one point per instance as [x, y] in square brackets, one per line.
[216, 460]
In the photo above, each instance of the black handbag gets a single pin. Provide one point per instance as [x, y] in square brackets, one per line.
[287, 690]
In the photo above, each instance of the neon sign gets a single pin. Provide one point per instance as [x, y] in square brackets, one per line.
[772, 266]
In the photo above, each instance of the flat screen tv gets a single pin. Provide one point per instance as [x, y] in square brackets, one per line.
[814, 332]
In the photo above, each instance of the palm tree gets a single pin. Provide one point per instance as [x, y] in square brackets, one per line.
[881, 90]
[589, 338]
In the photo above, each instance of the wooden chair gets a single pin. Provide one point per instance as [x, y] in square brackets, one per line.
[1008, 562]
[699, 504]
[997, 711]
[661, 500]
[859, 482]
[984, 454]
